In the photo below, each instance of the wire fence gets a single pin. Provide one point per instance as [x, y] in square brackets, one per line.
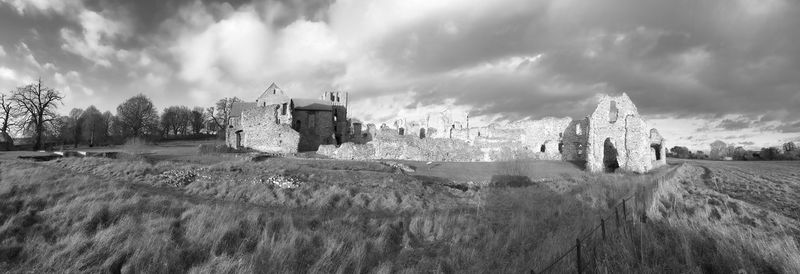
[582, 255]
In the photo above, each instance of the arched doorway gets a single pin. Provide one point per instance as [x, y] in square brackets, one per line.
[239, 135]
[422, 133]
[657, 151]
[610, 163]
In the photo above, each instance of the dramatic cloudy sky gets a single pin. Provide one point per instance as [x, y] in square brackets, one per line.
[699, 70]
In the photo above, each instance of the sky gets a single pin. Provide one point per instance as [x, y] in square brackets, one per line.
[699, 71]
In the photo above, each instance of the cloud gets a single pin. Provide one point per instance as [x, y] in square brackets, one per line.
[41, 6]
[95, 42]
[729, 124]
[685, 64]
[793, 127]
[2, 52]
[8, 74]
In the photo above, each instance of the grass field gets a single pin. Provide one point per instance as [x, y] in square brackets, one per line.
[185, 212]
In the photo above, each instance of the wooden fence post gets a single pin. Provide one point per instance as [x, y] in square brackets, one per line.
[578, 252]
[603, 227]
[624, 210]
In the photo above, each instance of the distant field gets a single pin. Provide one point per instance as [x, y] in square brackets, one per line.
[173, 210]
[774, 185]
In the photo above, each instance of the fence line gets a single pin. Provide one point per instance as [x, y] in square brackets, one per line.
[584, 241]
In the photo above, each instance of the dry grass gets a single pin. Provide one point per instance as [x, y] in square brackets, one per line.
[97, 215]
[759, 240]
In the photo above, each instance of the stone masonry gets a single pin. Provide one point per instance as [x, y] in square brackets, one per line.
[613, 137]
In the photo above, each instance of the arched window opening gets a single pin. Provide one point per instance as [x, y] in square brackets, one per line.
[613, 112]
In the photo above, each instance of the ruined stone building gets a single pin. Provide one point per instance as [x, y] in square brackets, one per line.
[275, 122]
[612, 137]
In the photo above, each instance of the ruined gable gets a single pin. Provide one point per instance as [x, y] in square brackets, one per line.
[273, 95]
[617, 137]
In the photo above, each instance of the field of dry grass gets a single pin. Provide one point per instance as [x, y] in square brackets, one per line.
[771, 185]
[697, 199]
[268, 215]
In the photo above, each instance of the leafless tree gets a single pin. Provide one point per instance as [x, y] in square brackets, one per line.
[718, 149]
[38, 104]
[220, 115]
[184, 120]
[10, 113]
[94, 126]
[74, 123]
[137, 116]
[198, 119]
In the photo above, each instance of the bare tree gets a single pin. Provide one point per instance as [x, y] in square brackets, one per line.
[718, 149]
[75, 121]
[221, 114]
[94, 126]
[137, 116]
[38, 104]
[184, 120]
[177, 119]
[10, 113]
[169, 120]
[198, 120]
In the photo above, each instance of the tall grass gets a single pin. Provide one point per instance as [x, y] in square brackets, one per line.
[58, 221]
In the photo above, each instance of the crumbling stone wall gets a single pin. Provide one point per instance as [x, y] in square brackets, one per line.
[259, 130]
[544, 136]
[617, 120]
[315, 127]
[406, 147]
[613, 136]
[574, 140]
[658, 147]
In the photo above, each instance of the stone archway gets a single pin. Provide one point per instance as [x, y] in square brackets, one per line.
[239, 136]
[610, 153]
[657, 150]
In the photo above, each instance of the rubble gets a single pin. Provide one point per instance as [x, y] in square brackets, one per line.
[282, 181]
[177, 177]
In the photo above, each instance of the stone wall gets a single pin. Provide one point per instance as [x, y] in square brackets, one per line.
[259, 130]
[406, 147]
[574, 141]
[315, 128]
[632, 146]
[616, 119]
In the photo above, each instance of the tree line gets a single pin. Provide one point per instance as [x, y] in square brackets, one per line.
[30, 111]
[722, 151]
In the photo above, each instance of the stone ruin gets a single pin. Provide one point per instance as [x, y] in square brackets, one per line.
[613, 137]
[277, 123]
